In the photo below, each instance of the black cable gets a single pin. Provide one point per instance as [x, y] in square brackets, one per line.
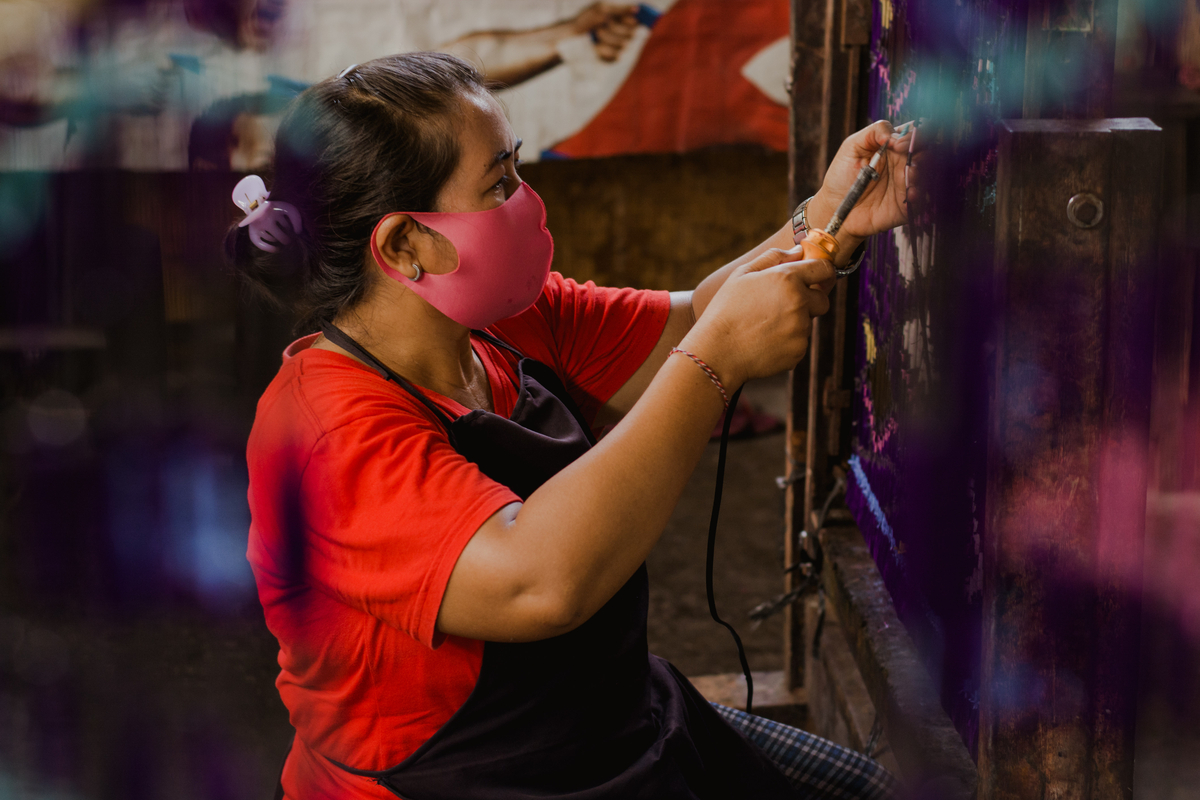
[712, 543]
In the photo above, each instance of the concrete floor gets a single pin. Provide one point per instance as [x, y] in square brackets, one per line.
[748, 563]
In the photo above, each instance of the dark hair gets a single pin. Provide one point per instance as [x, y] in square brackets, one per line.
[376, 139]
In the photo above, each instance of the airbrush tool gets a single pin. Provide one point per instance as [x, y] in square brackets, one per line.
[820, 243]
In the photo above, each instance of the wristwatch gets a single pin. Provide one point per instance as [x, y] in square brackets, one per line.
[800, 230]
[800, 221]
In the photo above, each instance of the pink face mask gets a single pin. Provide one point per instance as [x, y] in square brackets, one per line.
[504, 257]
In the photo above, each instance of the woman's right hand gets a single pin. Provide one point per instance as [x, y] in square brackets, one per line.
[611, 26]
[542, 568]
[759, 322]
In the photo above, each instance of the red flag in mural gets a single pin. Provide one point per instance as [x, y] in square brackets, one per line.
[690, 88]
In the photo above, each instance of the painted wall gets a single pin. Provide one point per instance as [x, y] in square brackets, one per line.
[158, 85]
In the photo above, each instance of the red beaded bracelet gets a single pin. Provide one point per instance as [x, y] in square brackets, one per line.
[712, 376]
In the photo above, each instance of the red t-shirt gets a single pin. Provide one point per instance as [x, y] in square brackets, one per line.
[360, 508]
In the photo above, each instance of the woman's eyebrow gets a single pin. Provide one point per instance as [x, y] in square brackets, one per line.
[501, 156]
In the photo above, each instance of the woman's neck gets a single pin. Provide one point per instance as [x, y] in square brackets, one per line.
[419, 343]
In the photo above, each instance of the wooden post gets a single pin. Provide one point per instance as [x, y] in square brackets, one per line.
[828, 44]
[808, 57]
[1077, 205]
[847, 35]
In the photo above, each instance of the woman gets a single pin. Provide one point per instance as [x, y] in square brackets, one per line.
[451, 563]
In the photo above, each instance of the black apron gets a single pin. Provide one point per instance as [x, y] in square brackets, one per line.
[586, 715]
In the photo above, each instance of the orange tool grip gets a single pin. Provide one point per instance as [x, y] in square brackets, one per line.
[819, 244]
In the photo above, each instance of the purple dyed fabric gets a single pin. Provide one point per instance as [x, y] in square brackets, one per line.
[923, 363]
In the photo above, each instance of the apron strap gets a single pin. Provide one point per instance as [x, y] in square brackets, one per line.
[487, 337]
[342, 340]
[499, 343]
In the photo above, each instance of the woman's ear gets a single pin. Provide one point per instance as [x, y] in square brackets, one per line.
[394, 243]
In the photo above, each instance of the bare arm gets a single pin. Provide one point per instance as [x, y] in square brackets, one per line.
[511, 57]
[541, 568]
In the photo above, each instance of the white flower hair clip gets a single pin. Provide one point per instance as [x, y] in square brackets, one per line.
[264, 217]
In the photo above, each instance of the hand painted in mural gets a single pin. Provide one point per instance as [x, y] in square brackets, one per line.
[237, 132]
[509, 57]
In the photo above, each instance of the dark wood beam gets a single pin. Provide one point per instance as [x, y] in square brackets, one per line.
[829, 43]
[1076, 260]
[804, 151]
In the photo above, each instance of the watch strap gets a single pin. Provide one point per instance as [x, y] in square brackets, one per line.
[855, 259]
[800, 230]
[800, 222]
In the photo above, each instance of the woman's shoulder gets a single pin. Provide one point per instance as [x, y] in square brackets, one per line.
[317, 392]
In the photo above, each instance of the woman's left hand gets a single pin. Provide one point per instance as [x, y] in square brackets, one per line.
[881, 206]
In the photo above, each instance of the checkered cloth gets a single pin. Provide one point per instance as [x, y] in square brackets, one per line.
[818, 768]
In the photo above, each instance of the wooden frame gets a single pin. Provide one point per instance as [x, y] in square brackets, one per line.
[1068, 456]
